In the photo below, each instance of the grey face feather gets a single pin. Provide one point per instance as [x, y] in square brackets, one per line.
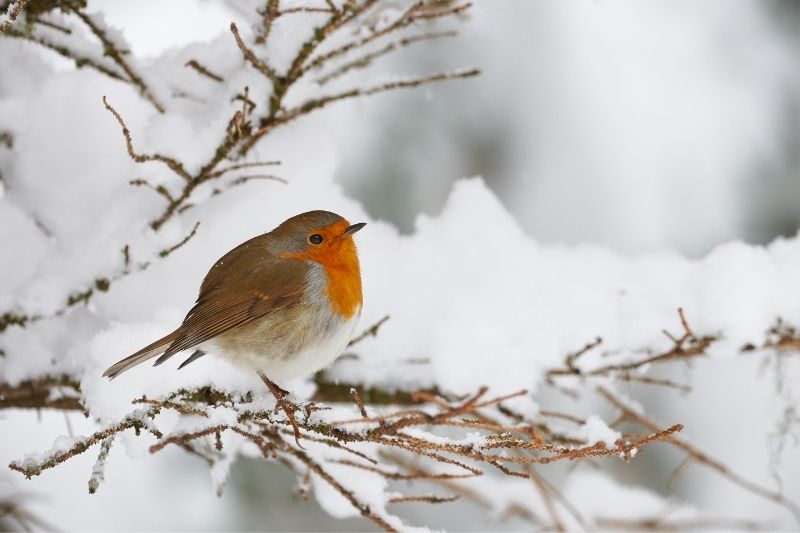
[292, 235]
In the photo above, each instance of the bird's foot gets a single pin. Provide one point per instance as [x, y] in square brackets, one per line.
[289, 408]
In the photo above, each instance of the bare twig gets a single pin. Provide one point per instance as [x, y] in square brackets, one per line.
[423, 499]
[166, 251]
[171, 163]
[359, 402]
[194, 64]
[413, 14]
[80, 60]
[372, 331]
[674, 524]
[318, 103]
[113, 50]
[700, 457]
[686, 347]
[367, 59]
[250, 56]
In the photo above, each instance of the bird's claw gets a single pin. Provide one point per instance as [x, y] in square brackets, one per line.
[288, 407]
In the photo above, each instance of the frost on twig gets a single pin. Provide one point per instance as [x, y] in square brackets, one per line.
[13, 10]
[488, 437]
[33, 465]
[426, 436]
[693, 454]
[99, 469]
[684, 348]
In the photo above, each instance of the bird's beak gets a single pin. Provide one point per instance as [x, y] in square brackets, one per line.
[352, 229]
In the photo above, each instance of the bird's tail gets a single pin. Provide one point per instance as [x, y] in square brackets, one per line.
[148, 352]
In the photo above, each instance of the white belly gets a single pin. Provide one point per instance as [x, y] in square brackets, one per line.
[278, 365]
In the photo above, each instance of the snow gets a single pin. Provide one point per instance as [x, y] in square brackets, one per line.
[595, 430]
[61, 444]
[474, 300]
[601, 496]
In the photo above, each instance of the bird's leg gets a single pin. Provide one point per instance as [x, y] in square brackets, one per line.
[274, 387]
[287, 406]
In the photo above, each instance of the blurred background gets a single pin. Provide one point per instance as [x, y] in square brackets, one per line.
[640, 126]
[636, 125]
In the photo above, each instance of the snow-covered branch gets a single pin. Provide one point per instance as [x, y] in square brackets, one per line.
[52, 25]
[445, 438]
[490, 438]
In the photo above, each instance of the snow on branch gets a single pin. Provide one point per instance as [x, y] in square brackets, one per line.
[53, 26]
[244, 129]
[422, 436]
[693, 454]
[13, 11]
[684, 347]
[491, 438]
[101, 283]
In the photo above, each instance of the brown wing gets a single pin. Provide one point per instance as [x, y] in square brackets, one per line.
[246, 283]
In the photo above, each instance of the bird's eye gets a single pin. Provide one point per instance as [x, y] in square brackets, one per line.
[315, 239]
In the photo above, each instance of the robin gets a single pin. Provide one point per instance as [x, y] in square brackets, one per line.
[284, 303]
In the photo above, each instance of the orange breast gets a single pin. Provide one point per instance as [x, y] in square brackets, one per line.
[344, 289]
[339, 258]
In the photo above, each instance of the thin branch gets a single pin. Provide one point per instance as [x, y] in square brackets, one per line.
[166, 251]
[371, 331]
[268, 16]
[240, 166]
[411, 15]
[194, 64]
[79, 59]
[289, 115]
[79, 296]
[318, 103]
[241, 180]
[701, 457]
[171, 163]
[362, 508]
[367, 59]
[415, 475]
[547, 498]
[250, 56]
[159, 189]
[423, 499]
[60, 393]
[359, 402]
[98, 472]
[112, 50]
[686, 524]
[33, 466]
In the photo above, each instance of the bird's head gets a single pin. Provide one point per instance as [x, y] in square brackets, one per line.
[320, 236]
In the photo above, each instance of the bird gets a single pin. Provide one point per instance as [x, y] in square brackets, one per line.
[284, 303]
